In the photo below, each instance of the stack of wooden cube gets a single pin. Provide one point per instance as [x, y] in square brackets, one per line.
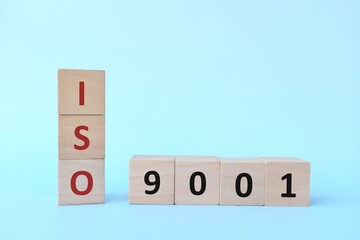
[81, 109]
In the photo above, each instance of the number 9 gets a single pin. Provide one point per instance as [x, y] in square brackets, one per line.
[155, 183]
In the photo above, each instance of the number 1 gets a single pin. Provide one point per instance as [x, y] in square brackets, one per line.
[288, 194]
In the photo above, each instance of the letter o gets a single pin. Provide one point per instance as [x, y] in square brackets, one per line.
[73, 183]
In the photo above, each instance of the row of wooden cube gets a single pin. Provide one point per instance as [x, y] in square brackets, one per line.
[224, 181]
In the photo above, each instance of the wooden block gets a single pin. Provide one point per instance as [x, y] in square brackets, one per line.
[151, 179]
[81, 91]
[287, 182]
[242, 181]
[197, 180]
[82, 137]
[81, 182]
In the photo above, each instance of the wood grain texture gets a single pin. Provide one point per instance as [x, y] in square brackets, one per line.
[185, 166]
[66, 170]
[139, 165]
[95, 134]
[230, 170]
[68, 91]
[276, 168]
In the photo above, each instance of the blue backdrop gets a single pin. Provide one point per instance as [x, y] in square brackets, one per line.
[225, 78]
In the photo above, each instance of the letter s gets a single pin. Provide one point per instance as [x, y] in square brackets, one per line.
[81, 137]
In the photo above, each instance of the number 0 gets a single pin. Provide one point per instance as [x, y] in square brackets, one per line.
[192, 183]
[238, 185]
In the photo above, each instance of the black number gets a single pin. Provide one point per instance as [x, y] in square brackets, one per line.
[192, 183]
[155, 183]
[288, 193]
[238, 185]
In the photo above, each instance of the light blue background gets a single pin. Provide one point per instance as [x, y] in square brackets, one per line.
[225, 78]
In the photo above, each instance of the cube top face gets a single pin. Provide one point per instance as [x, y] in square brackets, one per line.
[81, 91]
[281, 159]
[197, 159]
[287, 182]
[81, 137]
[151, 179]
[197, 180]
[81, 182]
[240, 160]
[242, 181]
[152, 158]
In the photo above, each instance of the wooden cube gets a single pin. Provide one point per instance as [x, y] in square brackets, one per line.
[82, 137]
[287, 182]
[81, 182]
[197, 180]
[242, 181]
[81, 91]
[151, 179]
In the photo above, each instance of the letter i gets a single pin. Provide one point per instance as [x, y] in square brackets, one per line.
[81, 93]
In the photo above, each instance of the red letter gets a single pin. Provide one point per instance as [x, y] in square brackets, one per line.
[73, 183]
[81, 93]
[81, 137]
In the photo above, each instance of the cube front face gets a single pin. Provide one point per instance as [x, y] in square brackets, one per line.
[287, 182]
[81, 137]
[151, 181]
[242, 182]
[81, 182]
[81, 91]
[197, 182]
